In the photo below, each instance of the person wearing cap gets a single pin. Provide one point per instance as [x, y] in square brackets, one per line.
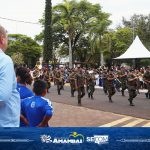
[9, 96]
[80, 84]
[104, 78]
[110, 85]
[59, 81]
[122, 78]
[72, 81]
[90, 85]
[132, 86]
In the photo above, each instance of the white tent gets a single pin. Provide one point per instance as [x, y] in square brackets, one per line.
[136, 50]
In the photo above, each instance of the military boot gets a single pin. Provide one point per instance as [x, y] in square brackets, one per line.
[110, 100]
[89, 95]
[92, 97]
[72, 93]
[79, 101]
[122, 93]
[146, 94]
[59, 92]
[131, 103]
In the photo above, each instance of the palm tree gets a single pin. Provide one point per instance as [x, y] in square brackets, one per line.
[96, 33]
[65, 13]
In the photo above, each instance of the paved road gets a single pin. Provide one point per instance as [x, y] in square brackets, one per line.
[98, 112]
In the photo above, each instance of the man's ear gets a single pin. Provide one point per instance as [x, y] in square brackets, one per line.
[44, 92]
[1, 40]
[18, 79]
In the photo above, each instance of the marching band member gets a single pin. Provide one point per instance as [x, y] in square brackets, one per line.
[47, 79]
[110, 85]
[90, 84]
[132, 86]
[58, 80]
[122, 78]
[80, 84]
[72, 81]
[36, 74]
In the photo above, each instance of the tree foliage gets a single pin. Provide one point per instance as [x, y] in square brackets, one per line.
[25, 46]
[48, 43]
[141, 25]
[81, 29]
[17, 58]
[72, 22]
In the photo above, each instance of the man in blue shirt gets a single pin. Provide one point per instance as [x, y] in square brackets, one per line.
[37, 109]
[9, 96]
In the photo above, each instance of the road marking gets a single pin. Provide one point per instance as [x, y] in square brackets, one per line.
[147, 125]
[133, 123]
[116, 122]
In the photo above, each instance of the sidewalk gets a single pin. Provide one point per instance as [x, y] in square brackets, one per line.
[74, 116]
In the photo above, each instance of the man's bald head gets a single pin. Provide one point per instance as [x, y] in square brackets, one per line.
[3, 38]
[3, 32]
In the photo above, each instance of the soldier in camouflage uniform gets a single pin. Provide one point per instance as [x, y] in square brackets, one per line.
[110, 85]
[72, 81]
[90, 85]
[121, 75]
[87, 76]
[104, 77]
[146, 78]
[132, 86]
[80, 84]
[58, 80]
[47, 79]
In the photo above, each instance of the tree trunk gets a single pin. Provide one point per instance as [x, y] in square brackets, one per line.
[102, 59]
[70, 53]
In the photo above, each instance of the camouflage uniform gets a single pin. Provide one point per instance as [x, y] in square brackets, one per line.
[146, 78]
[58, 80]
[90, 86]
[72, 82]
[87, 76]
[80, 86]
[47, 79]
[110, 85]
[132, 85]
[104, 76]
[122, 78]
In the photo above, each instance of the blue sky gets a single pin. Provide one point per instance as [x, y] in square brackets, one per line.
[32, 10]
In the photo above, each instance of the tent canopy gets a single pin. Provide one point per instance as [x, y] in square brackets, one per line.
[136, 50]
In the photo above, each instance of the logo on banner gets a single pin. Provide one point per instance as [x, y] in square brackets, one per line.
[73, 138]
[46, 139]
[98, 139]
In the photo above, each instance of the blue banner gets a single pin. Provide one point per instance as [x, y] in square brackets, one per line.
[75, 138]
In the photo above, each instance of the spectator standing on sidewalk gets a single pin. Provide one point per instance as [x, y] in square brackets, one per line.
[37, 110]
[9, 96]
[23, 79]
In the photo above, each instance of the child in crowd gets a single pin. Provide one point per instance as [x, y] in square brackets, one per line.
[37, 110]
[23, 79]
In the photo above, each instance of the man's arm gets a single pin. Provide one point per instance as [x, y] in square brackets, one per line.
[6, 81]
[48, 114]
[44, 122]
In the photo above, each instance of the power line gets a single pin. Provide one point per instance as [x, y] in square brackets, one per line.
[19, 21]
